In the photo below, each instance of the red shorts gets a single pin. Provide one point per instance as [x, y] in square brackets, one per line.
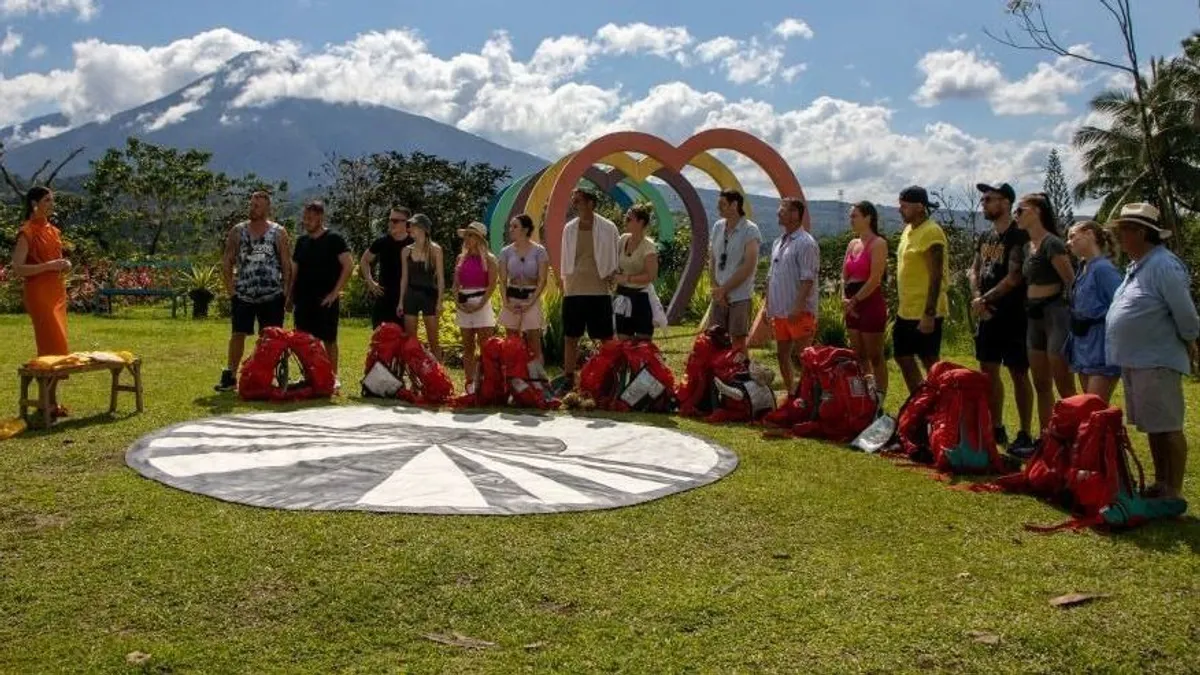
[870, 315]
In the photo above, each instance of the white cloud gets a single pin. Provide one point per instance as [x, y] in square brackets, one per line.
[173, 115]
[37, 52]
[959, 74]
[790, 28]
[634, 38]
[955, 39]
[561, 57]
[83, 9]
[716, 48]
[790, 73]
[20, 136]
[11, 42]
[755, 64]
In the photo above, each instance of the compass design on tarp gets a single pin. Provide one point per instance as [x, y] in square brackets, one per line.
[419, 461]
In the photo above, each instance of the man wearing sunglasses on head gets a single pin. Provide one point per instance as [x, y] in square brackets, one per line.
[735, 240]
[387, 250]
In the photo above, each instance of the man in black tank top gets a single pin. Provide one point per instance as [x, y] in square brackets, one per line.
[257, 271]
[998, 289]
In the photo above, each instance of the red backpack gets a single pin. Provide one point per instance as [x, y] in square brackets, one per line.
[264, 374]
[947, 422]
[650, 385]
[833, 400]
[1045, 474]
[601, 377]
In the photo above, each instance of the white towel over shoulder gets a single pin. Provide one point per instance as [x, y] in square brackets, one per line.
[604, 243]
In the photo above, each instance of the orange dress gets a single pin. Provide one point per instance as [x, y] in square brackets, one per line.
[46, 293]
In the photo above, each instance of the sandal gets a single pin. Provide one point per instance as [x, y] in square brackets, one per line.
[60, 411]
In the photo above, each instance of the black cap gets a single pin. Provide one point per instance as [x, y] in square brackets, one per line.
[315, 205]
[915, 194]
[1004, 188]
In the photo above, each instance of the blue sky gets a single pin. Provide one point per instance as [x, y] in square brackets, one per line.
[859, 94]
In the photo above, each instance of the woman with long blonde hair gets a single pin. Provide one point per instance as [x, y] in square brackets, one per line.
[422, 282]
[1091, 295]
[475, 278]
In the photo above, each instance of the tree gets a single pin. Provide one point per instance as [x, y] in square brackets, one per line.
[1055, 188]
[19, 188]
[146, 193]
[359, 192]
[1031, 20]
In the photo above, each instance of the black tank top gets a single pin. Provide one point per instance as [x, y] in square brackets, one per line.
[420, 273]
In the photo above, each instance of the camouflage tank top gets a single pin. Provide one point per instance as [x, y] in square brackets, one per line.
[259, 270]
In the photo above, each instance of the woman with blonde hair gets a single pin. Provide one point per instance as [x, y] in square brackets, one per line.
[422, 282]
[475, 278]
[1090, 297]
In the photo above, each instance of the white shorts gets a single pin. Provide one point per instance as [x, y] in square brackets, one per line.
[531, 319]
[485, 317]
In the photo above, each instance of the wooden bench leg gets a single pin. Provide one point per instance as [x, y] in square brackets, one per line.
[116, 383]
[22, 403]
[47, 410]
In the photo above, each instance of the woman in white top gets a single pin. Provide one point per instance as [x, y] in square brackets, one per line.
[475, 278]
[524, 269]
[637, 269]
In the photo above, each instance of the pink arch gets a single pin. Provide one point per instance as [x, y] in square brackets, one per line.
[670, 156]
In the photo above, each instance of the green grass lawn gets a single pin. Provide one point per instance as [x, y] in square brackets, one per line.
[807, 558]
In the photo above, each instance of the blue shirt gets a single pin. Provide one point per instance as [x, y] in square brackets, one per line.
[1091, 296]
[1152, 316]
[795, 257]
[730, 248]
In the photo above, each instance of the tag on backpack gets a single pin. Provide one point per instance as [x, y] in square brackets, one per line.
[876, 437]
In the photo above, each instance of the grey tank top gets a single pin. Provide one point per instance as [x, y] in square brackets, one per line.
[259, 270]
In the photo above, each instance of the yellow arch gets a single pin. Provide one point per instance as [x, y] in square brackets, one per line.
[638, 170]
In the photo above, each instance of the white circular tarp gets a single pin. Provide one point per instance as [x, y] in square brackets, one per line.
[413, 460]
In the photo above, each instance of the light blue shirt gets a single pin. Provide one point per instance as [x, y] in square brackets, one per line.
[795, 257]
[1152, 316]
[730, 248]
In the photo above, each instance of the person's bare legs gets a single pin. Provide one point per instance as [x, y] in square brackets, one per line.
[533, 338]
[1100, 385]
[570, 355]
[410, 325]
[431, 334]
[872, 345]
[783, 353]
[1169, 452]
[1061, 371]
[1023, 393]
[331, 348]
[911, 372]
[469, 340]
[237, 349]
[1043, 385]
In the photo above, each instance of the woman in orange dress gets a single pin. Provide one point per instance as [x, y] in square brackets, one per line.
[38, 259]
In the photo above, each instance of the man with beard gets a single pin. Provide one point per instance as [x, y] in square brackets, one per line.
[322, 267]
[998, 292]
[922, 274]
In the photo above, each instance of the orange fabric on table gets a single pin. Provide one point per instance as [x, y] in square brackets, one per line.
[46, 293]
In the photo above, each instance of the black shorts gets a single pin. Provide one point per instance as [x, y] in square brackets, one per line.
[385, 310]
[420, 301]
[319, 322]
[1001, 339]
[908, 341]
[641, 319]
[266, 313]
[592, 313]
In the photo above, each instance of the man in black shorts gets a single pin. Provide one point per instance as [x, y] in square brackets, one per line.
[998, 289]
[322, 267]
[589, 262]
[388, 250]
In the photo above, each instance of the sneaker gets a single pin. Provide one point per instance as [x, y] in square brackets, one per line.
[337, 385]
[228, 381]
[1001, 436]
[1022, 446]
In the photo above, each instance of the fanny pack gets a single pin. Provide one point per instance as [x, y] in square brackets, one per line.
[853, 287]
[517, 293]
[463, 297]
[1081, 327]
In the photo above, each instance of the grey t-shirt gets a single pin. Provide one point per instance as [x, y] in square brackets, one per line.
[728, 250]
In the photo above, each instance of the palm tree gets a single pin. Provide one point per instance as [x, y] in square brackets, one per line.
[1124, 164]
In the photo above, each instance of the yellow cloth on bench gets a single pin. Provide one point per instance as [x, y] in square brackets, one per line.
[79, 359]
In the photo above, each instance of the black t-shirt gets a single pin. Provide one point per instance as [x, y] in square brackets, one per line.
[1039, 267]
[999, 253]
[387, 251]
[319, 268]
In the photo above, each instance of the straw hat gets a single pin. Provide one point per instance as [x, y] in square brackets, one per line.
[476, 228]
[1145, 215]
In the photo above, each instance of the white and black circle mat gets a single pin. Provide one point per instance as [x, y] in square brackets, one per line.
[405, 459]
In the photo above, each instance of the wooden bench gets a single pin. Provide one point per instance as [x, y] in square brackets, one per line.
[105, 295]
[47, 378]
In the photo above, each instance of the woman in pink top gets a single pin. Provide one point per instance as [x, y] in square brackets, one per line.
[474, 281]
[862, 278]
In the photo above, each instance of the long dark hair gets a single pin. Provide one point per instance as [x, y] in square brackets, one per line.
[1045, 211]
[35, 194]
[526, 223]
[868, 209]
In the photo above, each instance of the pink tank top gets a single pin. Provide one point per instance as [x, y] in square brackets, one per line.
[858, 267]
[472, 273]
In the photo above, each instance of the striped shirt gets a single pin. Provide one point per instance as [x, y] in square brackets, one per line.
[795, 257]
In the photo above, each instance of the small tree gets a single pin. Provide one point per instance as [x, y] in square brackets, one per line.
[1056, 189]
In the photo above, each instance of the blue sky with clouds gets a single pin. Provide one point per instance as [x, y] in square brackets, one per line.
[860, 95]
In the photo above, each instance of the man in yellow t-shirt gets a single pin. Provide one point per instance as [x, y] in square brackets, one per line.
[922, 274]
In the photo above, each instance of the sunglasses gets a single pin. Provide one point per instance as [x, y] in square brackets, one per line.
[722, 260]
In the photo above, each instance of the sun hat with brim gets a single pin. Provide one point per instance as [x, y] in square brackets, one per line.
[1145, 215]
[476, 228]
